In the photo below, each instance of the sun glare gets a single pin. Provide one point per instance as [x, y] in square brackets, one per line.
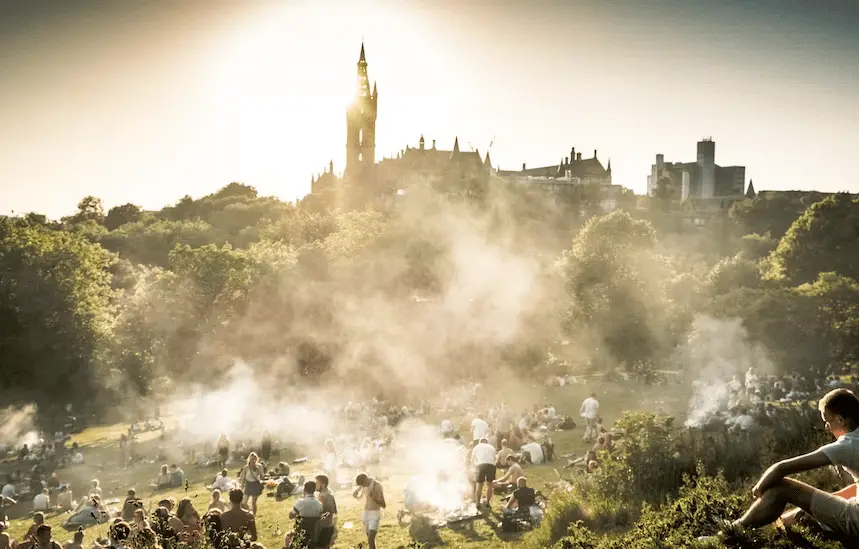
[283, 84]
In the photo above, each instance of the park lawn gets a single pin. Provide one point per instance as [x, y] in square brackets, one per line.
[101, 446]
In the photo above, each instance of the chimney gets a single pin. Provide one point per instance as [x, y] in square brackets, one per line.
[595, 153]
[578, 157]
[573, 154]
[566, 161]
[433, 144]
[523, 166]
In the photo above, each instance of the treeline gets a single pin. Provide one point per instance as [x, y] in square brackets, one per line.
[100, 308]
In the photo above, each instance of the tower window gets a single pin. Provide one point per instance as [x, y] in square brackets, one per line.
[360, 157]
[361, 136]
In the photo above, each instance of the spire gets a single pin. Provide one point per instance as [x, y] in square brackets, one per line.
[421, 142]
[375, 90]
[750, 193]
[487, 162]
[363, 58]
[456, 145]
[608, 169]
[331, 166]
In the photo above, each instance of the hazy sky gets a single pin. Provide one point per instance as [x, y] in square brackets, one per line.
[145, 101]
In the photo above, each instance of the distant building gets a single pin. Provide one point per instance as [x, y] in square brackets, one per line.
[702, 179]
[571, 169]
[454, 170]
[412, 164]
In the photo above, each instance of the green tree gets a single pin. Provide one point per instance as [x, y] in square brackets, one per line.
[55, 319]
[730, 274]
[122, 215]
[824, 238]
[615, 283]
[783, 321]
[90, 208]
[837, 299]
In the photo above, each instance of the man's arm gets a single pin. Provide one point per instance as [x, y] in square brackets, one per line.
[807, 462]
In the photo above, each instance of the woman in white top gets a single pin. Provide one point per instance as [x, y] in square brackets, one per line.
[329, 460]
[250, 479]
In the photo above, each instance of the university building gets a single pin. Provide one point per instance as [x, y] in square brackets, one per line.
[426, 163]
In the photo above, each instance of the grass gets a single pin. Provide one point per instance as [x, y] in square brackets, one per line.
[100, 445]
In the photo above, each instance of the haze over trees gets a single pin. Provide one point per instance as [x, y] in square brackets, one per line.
[97, 307]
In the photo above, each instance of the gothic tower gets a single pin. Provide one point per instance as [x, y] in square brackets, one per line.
[361, 125]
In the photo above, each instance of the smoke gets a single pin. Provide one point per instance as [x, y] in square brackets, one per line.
[715, 353]
[18, 426]
[244, 407]
[437, 468]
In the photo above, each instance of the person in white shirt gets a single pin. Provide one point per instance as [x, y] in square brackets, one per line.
[446, 428]
[8, 489]
[479, 429]
[534, 452]
[41, 502]
[223, 482]
[590, 411]
[837, 511]
[483, 460]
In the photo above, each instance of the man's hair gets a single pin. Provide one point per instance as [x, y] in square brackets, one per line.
[79, 537]
[309, 487]
[43, 529]
[39, 517]
[484, 440]
[322, 480]
[223, 472]
[236, 496]
[361, 479]
[593, 395]
[843, 403]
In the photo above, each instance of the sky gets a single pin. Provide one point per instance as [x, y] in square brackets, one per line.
[146, 101]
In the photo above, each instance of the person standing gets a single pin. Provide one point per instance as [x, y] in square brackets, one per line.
[328, 522]
[374, 502]
[590, 411]
[483, 461]
[250, 480]
[479, 429]
[223, 450]
[306, 513]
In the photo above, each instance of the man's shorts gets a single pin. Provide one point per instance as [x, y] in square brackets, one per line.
[838, 514]
[486, 472]
[371, 520]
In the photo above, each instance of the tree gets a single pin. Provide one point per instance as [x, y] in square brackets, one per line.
[55, 322]
[615, 284]
[824, 238]
[122, 215]
[236, 189]
[837, 299]
[90, 208]
[771, 213]
[733, 273]
[783, 321]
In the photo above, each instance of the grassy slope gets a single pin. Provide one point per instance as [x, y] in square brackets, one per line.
[101, 448]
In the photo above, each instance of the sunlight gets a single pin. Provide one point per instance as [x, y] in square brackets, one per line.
[284, 82]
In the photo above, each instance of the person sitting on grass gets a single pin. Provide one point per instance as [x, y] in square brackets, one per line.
[510, 479]
[524, 501]
[217, 502]
[837, 511]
